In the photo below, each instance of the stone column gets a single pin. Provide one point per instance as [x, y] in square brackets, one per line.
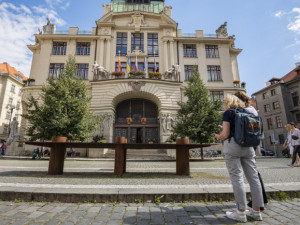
[172, 52]
[108, 54]
[166, 55]
[101, 52]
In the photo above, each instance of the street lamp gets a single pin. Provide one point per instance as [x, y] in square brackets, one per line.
[11, 107]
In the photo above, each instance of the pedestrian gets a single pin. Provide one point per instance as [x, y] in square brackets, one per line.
[295, 142]
[3, 149]
[238, 160]
[249, 108]
[288, 140]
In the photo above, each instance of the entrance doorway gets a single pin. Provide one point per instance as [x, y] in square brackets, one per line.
[137, 120]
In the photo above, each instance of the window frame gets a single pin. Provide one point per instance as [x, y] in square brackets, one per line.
[267, 108]
[269, 123]
[122, 47]
[83, 48]
[278, 122]
[134, 39]
[212, 51]
[276, 103]
[152, 47]
[55, 69]
[82, 72]
[214, 73]
[59, 48]
[295, 98]
[190, 52]
[123, 67]
[216, 95]
[151, 67]
[188, 71]
[273, 92]
[12, 88]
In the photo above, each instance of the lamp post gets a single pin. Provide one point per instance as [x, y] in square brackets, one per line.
[11, 107]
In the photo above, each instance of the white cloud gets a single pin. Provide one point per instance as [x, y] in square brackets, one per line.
[53, 3]
[297, 57]
[64, 7]
[295, 24]
[279, 14]
[19, 23]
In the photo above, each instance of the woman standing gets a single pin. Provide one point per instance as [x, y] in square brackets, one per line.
[238, 160]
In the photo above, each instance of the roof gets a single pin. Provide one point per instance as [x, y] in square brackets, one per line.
[286, 78]
[5, 68]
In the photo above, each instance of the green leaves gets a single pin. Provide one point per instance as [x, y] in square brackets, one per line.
[62, 109]
[198, 118]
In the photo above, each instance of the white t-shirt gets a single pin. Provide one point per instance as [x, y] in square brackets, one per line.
[252, 110]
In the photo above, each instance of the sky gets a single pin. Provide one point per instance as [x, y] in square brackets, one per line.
[268, 31]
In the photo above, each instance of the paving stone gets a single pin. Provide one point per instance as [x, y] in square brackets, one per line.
[44, 218]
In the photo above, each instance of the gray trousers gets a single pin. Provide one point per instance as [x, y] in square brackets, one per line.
[239, 159]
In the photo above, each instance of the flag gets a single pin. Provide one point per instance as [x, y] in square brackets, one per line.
[136, 64]
[119, 64]
[155, 68]
[128, 64]
[144, 63]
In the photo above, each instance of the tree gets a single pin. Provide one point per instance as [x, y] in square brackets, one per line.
[198, 118]
[62, 109]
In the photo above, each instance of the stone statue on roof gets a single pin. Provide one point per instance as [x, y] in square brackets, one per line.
[49, 28]
[222, 31]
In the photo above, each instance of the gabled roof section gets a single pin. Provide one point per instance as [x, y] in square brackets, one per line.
[287, 78]
[5, 68]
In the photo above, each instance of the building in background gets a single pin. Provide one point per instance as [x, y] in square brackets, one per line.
[137, 36]
[278, 104]
[11, 84]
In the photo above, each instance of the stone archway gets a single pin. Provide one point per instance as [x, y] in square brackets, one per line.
[144, 127]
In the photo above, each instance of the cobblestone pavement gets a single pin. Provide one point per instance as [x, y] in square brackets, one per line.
[277, 212]
[273, 170]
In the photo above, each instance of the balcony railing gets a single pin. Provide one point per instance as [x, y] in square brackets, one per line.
[153, 7]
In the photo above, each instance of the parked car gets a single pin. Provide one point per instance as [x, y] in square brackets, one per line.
[266, 152]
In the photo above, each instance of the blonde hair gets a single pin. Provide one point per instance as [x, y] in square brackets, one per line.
[231, 101]
[242, 95]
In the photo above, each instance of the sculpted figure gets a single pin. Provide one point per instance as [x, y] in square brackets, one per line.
[13, 135]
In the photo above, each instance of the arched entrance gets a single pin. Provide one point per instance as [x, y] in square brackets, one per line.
[137, 131]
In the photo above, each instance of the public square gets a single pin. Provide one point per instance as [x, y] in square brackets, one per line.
[84, 175]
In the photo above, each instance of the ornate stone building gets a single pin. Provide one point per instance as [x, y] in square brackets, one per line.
[11, 83]
[143, 35]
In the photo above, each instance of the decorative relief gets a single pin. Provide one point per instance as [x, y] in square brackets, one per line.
[137, 21]
[136, 85]
[167, 120]
[107, 121]
[222, 31]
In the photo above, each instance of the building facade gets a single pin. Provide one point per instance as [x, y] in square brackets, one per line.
[11, 84]
[279, 104]
[143, 35]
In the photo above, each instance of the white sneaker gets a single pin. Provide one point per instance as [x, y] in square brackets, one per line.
[254, 215]
[236, 216]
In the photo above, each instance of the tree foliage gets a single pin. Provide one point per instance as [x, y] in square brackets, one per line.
[62, 109]
[198, 118]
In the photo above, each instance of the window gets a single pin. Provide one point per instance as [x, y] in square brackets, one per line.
[123, 66]
[295, 98]
[298, 117]
[121, 44]
[20, 92]
[152, 45]
[281, 138]
[56, 69]
[18, 106]
[212, 51]
[13, 88]
[216, 96]
[5, 129]
[278, 121]
[275, 105]
[137, 40]
[140, 66]
[271, 142]
[7, 115]
[264, 95]
[151, 67]
[59, 48]
[138, 1]
[269, 122]
[82, 71]
[83, 48]
[267, 108]
[10, 101]
[273, 92]
[189, 51]
[214, 73]
[188, 71]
